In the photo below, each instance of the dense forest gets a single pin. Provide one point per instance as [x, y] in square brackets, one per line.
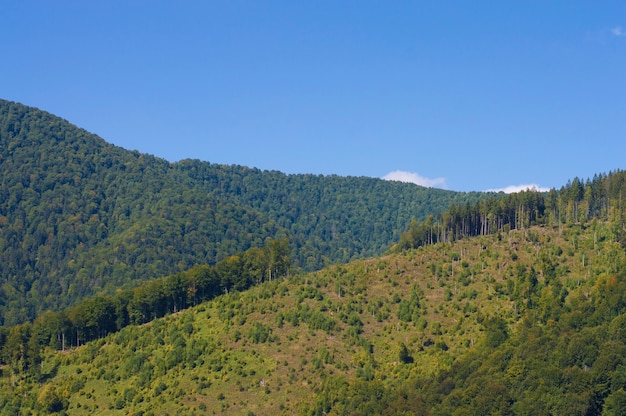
[80, 217]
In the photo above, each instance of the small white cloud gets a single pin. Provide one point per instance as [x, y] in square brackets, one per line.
[511, 189]
[618, 31]
[412, 177]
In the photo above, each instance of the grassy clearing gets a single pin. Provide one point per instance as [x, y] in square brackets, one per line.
[269, 350]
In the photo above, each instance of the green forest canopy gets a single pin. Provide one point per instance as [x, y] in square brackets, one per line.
[80, 217]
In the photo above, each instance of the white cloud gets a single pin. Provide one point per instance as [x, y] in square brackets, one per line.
[618, 31]
[412, 177]
[518, 188]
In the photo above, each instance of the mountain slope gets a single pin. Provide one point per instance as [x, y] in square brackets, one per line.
[79, 216]
[528, 321]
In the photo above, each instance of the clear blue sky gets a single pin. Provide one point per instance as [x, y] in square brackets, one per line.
[463, 95]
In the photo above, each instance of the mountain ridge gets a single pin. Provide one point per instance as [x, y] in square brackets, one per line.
[79, 216]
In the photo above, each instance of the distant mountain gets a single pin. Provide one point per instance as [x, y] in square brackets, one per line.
[79, 216]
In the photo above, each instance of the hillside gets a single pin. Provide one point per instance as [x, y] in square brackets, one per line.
[527, 321]
[79, 216]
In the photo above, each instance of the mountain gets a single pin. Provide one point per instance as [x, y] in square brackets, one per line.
[527, 321]
[506, 305]
[79, 216]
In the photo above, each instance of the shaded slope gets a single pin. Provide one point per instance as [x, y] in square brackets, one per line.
[79, 216]
[327, 218]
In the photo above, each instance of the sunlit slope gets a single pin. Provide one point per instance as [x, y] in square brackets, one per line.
[407, 331]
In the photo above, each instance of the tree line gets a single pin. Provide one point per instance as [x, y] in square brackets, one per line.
[93, 318]
[578, 201]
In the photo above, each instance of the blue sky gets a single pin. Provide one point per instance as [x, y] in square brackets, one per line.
[461, 95]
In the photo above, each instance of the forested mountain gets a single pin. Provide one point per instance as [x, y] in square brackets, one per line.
[527, 321]
[79, 216]
[501, 304]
